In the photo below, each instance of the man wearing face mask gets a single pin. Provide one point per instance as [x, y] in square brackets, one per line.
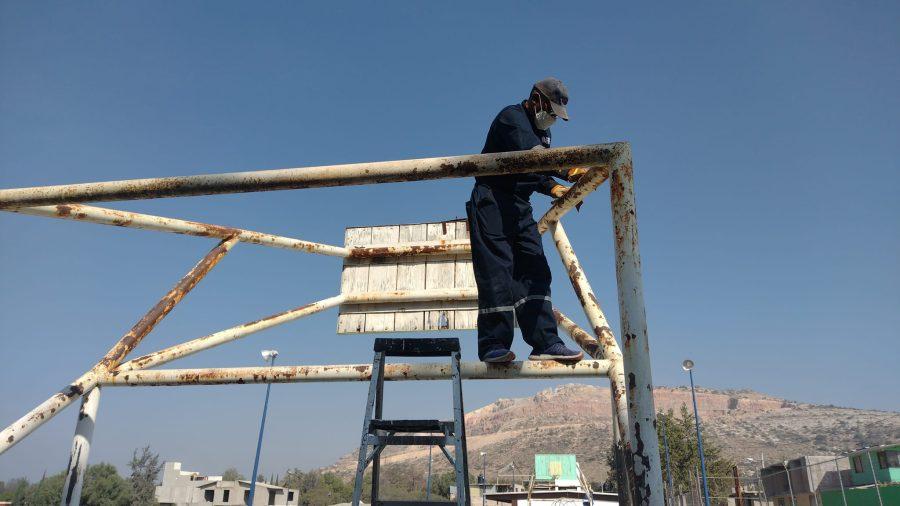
[511, 271]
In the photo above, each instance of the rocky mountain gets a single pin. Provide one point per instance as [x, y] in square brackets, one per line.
[576, 419]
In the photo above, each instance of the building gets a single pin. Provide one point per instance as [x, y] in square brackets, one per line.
[799, 482]
[861, 490]
[557, 481]
[181, 488]
[885, 459]
[836, 481]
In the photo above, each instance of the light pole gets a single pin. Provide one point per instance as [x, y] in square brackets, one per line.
[428, 481]
[483, 477]
[268, 356]
[688, 365]
[671, 488]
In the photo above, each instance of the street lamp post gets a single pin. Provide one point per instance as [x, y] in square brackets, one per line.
[483, 477]
[688, 365]
[428, 481]
[268, 356]
[671, 488]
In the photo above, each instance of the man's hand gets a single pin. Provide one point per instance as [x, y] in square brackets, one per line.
[575, 173]
[558, 191]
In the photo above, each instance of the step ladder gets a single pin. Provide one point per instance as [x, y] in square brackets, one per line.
[378, 433]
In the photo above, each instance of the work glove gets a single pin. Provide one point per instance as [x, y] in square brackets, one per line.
[559, 190]
[575, 173]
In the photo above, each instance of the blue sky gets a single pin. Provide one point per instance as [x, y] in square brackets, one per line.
[765, 140]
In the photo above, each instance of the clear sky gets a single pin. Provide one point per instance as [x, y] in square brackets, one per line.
[765, 139]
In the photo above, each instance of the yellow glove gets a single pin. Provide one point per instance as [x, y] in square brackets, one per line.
[559, 190]
[575, 173]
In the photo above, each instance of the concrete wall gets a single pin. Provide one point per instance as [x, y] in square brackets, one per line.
[891, 474]
[890, 495]
[182, 488]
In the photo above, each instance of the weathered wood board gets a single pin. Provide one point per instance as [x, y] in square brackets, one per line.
[407, 273]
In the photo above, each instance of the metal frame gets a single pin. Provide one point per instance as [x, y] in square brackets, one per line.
[628, 367]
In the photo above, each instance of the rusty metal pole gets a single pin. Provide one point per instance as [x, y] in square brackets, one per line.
[517, 162]
[206, 342]
[52, 406]
[354, 372]
[610, 350]
[128, 219]
[648, 484]
[737, 486]
[81, 447]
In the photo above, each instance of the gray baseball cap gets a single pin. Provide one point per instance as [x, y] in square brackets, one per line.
[558, 94]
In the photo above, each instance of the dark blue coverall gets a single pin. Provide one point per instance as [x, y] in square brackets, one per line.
[511, 271]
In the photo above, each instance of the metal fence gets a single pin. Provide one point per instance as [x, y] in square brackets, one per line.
[633, 407]
[848, 479]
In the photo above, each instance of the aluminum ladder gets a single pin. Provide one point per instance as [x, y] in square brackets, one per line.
[378, 433]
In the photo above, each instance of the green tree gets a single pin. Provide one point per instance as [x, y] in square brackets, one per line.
[14, 490]
[145, 468]
[232, 474]
[684, 459]
[441, 483]
[104, 487]
[46, 491]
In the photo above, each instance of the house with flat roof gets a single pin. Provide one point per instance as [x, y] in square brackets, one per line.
[182, 488]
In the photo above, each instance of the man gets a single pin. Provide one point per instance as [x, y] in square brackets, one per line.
[511, 271]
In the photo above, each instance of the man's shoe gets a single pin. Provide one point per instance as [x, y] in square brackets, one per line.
[499, 356]
[557, 352]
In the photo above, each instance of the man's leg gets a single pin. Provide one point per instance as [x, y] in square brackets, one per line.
[534, 308]
[492, 261]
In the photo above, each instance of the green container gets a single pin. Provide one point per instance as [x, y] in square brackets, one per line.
[555, 467]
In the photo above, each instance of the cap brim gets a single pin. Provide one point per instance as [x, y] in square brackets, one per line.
[559, 110]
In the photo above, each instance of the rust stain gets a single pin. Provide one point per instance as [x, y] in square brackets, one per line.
[164, 306]
[402, 251]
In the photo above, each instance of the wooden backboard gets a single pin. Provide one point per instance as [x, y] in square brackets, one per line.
[407, 273]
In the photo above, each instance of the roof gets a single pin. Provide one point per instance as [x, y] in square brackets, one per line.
[241, 484]
[894, 447]
[512, 497]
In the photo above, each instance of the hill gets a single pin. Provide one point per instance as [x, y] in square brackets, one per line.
[576, 419]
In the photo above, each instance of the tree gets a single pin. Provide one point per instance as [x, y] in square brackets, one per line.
[14, 490]
[46, 491]
[232, 474]
[683, 456]
[145, 468]
[104, 487]
[440, 484]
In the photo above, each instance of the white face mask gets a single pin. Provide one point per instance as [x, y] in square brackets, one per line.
[543, 119]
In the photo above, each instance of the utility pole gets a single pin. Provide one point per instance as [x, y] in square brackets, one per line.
[268, 356]
[428, 481]
[688, 365]
[737, 486]
[787, 472]
[670, 487]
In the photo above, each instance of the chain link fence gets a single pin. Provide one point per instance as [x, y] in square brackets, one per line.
[865, 477]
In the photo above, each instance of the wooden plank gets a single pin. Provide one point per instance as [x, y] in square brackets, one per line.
[442, 319]
[382, 278]
[354, 279]
[464, 278]
[407, 273]
[440, 269]
[411, 276]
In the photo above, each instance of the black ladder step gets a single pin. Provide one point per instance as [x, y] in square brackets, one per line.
[409, 425]
[419, 347]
